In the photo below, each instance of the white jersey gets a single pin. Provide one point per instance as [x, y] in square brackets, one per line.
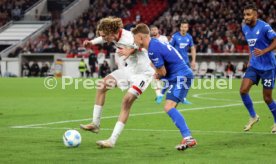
[163, 38]
[138, 63]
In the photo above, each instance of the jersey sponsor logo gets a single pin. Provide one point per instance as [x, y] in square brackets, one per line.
[251, 42]
[258, 32]
[183, 45]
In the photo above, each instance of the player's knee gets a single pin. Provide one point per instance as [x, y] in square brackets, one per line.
[243, 91]
[106, 84]
[268, 99]
[167, 107]
[102, 88]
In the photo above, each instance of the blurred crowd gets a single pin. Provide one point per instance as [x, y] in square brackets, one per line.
[68, 38]
[214, 24]
[13, 9]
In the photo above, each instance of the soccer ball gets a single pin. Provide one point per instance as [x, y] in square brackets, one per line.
[71, 138]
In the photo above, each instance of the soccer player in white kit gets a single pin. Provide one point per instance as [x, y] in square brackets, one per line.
[133, 68]
[154, 32]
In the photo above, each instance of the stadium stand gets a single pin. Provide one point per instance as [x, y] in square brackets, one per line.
[146, 11]
[68, 38]
[13, 9]
[214, 25]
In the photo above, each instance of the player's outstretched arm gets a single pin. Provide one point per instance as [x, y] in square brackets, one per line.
[259, 52]
[88, 43]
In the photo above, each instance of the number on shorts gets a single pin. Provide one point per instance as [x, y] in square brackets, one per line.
[142, 84]
[267, 82]
[170, 88]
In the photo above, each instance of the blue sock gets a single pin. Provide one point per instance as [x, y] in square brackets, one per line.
[248, 104]
[179, 121]
[272, 107]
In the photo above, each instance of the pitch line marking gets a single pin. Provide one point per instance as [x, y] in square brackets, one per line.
[215, 99]
[160, 130]
[198, 96]
[132, 115]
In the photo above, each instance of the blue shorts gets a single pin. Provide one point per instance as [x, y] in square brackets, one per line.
[178, 91]
[268, 77]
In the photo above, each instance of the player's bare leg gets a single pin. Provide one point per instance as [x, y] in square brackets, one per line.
[188, 141]
[108, 83]
[128, 100]
[267, 96]
[246, 86]
[244, 92]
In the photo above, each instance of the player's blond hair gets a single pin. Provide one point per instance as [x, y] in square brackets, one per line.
[110, 25]
[141, 28]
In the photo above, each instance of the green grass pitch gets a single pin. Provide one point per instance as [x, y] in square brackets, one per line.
[216, 119]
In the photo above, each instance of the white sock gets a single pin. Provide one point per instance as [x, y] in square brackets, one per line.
[187, 138]
[116, 132]
[97, 112]
[158, 92]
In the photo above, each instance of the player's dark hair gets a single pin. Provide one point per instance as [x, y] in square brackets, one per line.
[153, 26]
[184, 22]
[250, 6]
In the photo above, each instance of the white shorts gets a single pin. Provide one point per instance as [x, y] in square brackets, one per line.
[135, 83]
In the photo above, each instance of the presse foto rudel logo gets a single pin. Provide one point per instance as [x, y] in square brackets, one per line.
[81, 83]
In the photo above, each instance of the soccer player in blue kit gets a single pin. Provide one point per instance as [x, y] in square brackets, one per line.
[182, 41]
[261, 40]
[170, 66]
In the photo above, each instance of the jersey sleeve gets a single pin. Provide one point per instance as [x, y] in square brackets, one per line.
[127, 40]
[172, 41]
[98, 40]
[269, 32]
[156, 57]
[165, 39]
[191, 44]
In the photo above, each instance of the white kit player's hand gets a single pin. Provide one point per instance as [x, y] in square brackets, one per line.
[87, 44]
[125, 52]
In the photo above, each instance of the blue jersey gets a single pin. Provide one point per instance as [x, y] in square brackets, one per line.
[182, 44]
[260, 36]
[162, 54]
